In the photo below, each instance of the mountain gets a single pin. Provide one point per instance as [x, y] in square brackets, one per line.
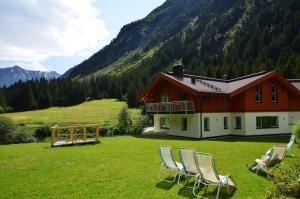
[210, 37]
[13, 74]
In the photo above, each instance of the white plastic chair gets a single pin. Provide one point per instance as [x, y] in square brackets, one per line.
[189, 166]
[169, 164]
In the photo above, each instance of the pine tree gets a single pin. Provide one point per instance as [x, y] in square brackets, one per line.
[28, 101]
[132, 97]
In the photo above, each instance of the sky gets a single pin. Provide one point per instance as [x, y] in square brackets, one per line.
[59, 34]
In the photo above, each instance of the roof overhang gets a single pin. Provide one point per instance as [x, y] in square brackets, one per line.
[273, 74]
[143, 96]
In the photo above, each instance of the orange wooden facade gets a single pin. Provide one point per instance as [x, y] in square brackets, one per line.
[242, 102]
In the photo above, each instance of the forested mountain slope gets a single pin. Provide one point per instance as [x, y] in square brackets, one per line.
[210, 37]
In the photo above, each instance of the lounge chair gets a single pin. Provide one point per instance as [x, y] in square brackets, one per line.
[272, 159]
[189, 165]
[288, 146]
[169, 164]
[208, 175]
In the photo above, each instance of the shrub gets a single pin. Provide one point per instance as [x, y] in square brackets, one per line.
[23, 135]
[7, 129]
[287, 181]
[42, 132]
[2, 110]
[106, 131]
[125, 121]
[8, 109]
[296, 130]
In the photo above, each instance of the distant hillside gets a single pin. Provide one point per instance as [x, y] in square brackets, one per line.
[210, 37]
[10, 75]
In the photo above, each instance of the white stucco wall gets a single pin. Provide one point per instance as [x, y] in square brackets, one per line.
[235, 131]
[193, 124]
[216, 124]
[248, 124]
[283, 123]
[294, 117]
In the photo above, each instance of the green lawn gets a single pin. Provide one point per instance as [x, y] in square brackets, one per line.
[124, 167]
[104, 112]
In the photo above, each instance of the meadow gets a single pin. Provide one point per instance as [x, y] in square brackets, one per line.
[125, 167]
[104, 112]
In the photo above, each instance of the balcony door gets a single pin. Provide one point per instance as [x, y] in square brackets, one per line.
[164, 99]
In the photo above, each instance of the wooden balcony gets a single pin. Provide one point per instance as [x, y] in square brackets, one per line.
[175, 107]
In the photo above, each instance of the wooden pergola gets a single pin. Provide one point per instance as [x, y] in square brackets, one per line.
[73, 135]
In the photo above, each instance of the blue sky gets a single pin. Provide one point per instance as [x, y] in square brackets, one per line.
[58, 34]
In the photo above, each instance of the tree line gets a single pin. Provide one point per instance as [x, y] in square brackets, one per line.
[42, 93]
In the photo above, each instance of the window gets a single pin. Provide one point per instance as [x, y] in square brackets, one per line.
[205, 99]
[206, 124]
[225, 99]
[164, 123]
[164, 98]
[184, 124]
[225, 122]
[266, 122]
[258, 93]
[165, 106]
[274, 93]
[183, 95]
[238, 123]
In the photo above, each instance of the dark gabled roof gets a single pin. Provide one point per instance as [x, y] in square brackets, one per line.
[214, 85]
[231, 87]
[295, 82]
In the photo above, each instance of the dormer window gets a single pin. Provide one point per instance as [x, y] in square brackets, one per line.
[258, 93]
[274, 93]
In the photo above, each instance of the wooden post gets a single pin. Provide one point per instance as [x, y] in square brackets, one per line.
[84, 134]
[53, 130]
[72, 135]
[97, 134]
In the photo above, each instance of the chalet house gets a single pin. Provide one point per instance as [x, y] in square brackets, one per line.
[263, 103]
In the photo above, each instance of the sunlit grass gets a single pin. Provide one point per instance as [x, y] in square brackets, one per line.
[104, 112]
[124, 167]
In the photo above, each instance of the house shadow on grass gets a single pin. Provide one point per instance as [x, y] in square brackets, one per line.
[271, 139]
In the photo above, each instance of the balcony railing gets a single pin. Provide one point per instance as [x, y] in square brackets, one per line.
[179, 107]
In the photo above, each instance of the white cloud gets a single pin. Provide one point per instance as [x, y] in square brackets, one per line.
[32, 30]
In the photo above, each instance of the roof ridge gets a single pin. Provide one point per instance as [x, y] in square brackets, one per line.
[293, 80]
[248, 76]
[222, 80]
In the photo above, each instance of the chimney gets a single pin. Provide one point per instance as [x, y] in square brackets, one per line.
[225, 77]
[178, 70]
[193, 80]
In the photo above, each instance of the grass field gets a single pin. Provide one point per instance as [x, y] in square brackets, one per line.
[104, 112]
[124, 167]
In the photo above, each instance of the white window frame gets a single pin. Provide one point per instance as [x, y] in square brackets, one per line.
[274, 93]
[261, 126]
[258, 93]
[184, 124]
[235, 122]
[165, 120]
[225, 122]
[206, 128]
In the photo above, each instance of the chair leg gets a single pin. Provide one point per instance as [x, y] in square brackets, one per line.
[170, 171]
[196, 186]
[219, 187]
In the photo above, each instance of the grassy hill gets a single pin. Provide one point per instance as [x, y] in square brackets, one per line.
[125, 167]
[105, 112]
